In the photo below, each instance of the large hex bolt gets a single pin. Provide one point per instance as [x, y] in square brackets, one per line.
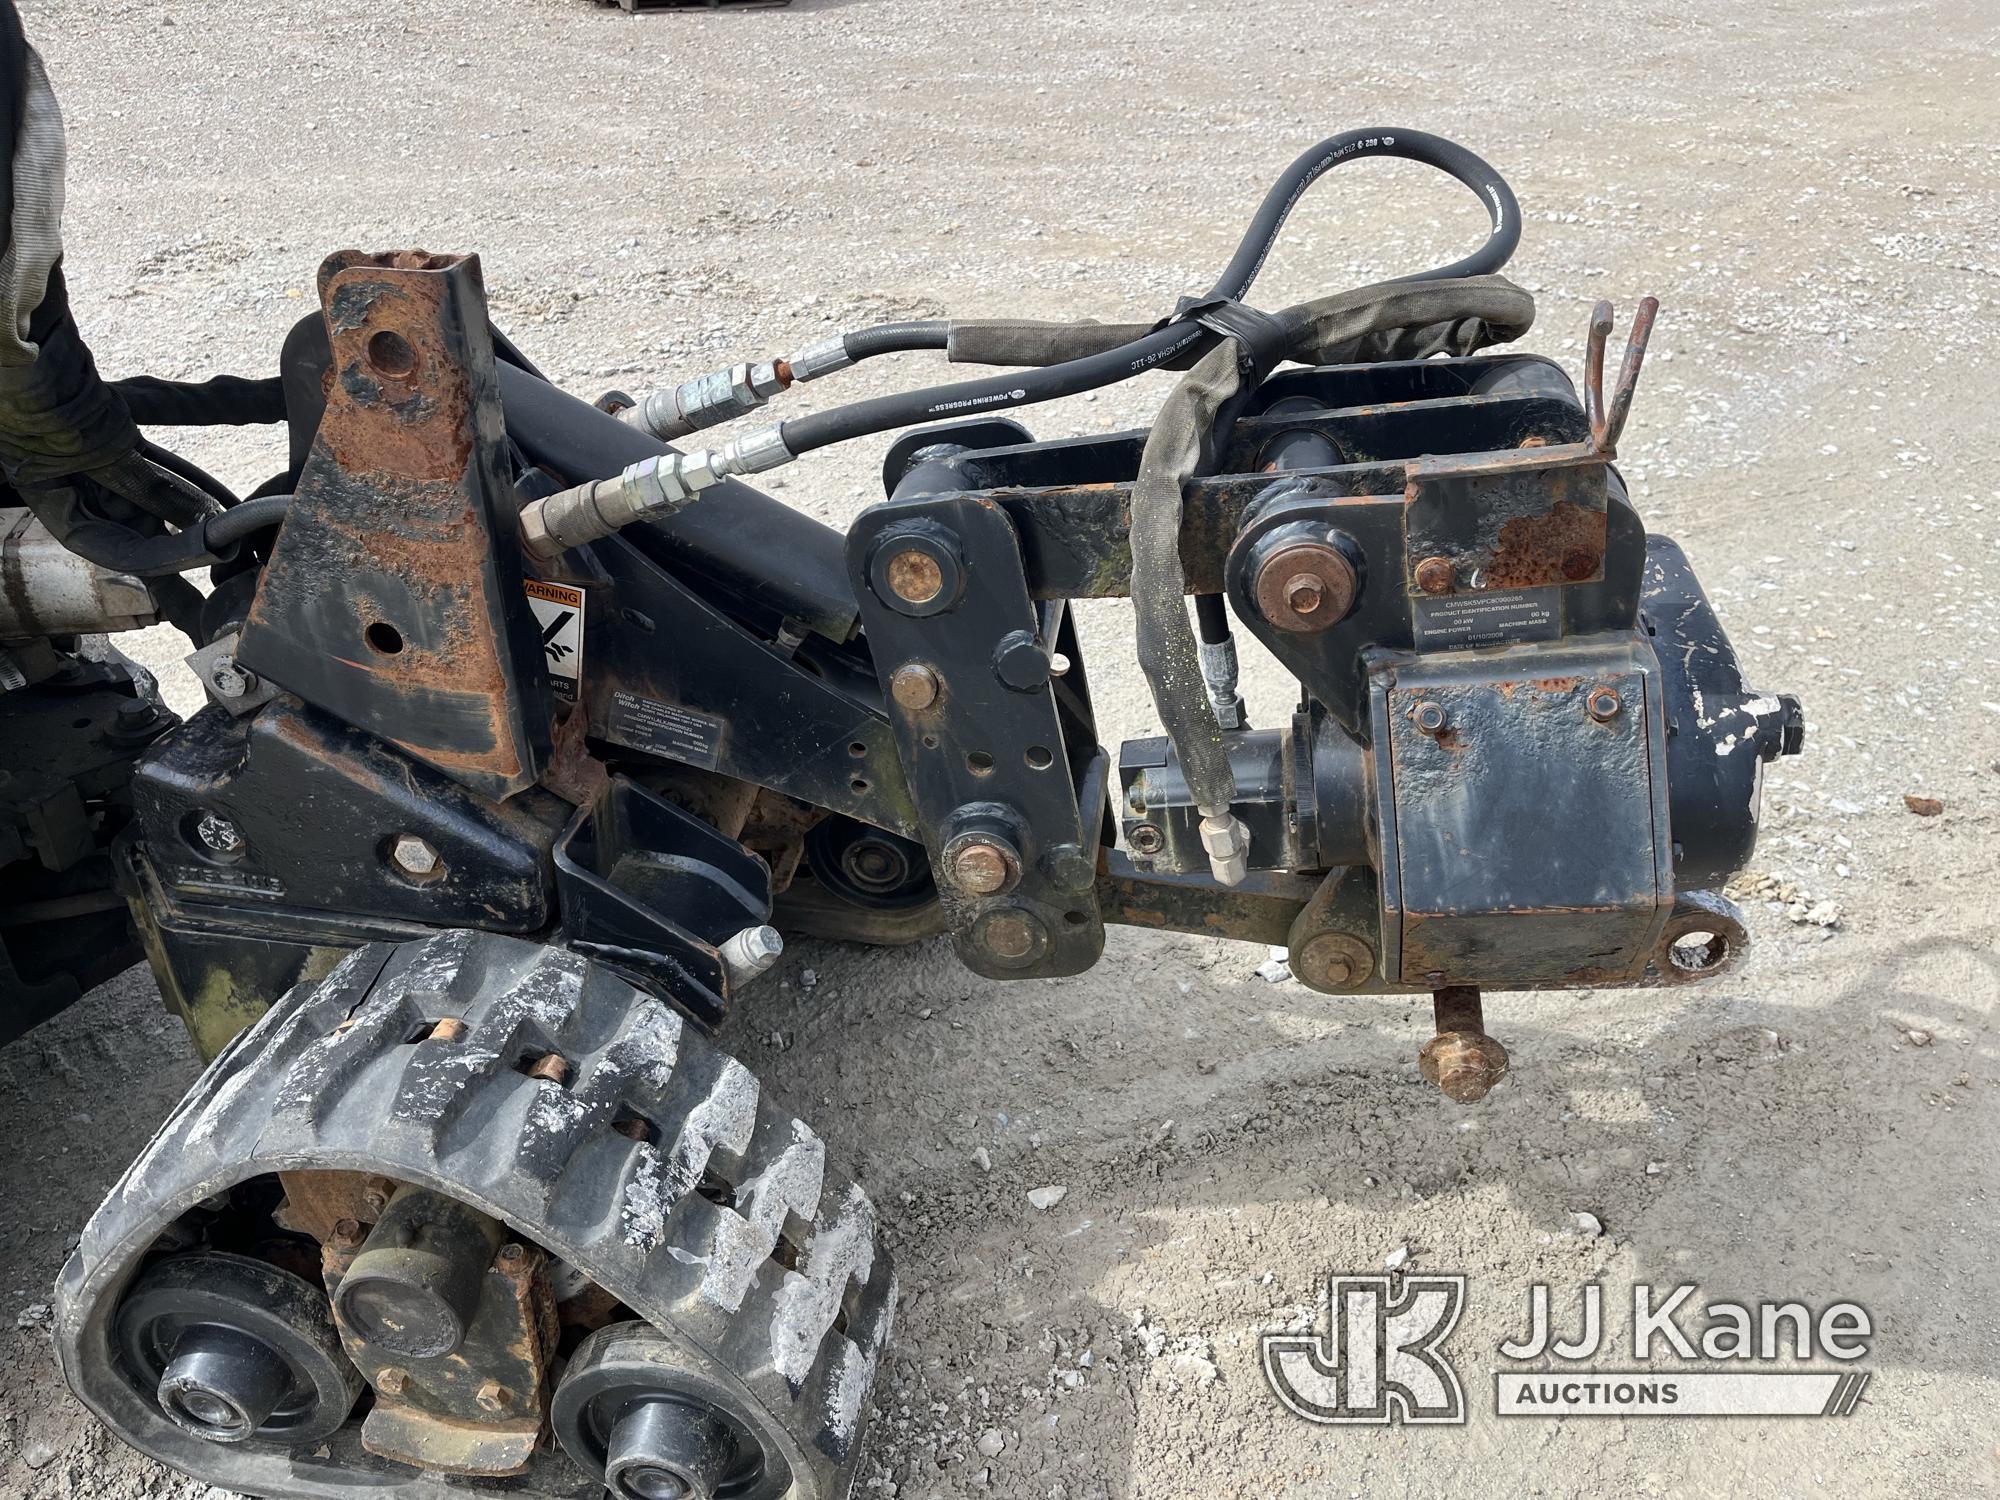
[665, 1449]
[222, 1385]
[413, 1289]
[1461, 1059]
[1304, 584]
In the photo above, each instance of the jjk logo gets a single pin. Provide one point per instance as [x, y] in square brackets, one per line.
[1379, 1359]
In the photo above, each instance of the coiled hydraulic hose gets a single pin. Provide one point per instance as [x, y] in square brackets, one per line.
[1170, 341]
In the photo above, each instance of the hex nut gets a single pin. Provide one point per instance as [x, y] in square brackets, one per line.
[1604, 704]
[391, 1381]
[1145, 838]
[1429, 717]
[493, 1396]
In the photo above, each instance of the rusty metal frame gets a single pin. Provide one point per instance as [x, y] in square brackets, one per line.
[393, 597]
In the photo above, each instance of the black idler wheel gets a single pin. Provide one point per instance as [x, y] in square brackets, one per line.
[234, 1350]
[631, 1412]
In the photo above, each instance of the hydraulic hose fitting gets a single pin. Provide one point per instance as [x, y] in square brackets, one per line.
[1227, 840]
[820, 359]
[1218, 675]
[719, 396]
[646, 491]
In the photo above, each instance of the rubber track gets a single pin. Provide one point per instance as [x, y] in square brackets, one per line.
[331, 1077]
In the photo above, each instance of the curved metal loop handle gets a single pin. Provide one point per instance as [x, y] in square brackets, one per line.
[1605, 426]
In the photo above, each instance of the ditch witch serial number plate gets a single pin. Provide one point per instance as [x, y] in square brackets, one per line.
[665, 729]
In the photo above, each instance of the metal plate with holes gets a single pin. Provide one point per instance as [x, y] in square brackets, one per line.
[981, 734]
[394, 595]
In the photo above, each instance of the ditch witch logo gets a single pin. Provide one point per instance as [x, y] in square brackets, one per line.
[1381, 1359]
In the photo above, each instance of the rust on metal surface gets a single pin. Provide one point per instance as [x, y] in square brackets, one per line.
[1305, 586]
[319, 1202]
[1607, 424]
[1333, 961]
[1462, 1060]
[1260, 910]
[394, 593]
[479, 1409]
[1514, 519]
[1436, 575]
[915, 576]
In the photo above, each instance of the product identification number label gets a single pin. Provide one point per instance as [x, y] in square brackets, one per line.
[1485, 619]
[559, 613]
[667, 729]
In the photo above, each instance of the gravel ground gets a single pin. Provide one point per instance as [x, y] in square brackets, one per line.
[1813, 191]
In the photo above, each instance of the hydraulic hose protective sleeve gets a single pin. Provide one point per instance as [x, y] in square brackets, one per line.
[1176, 450]
[1397, 320]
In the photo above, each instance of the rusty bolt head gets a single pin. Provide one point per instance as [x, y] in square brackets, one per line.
[1304, 585]
[1429, 717]
[390, 1382]
[1145, 838]
[414, 856]
[914, 686]
[512, 1254]
[982, 865]
[1333, 961]
[450, 1029]
[1436, 575]
[346, 1233]
[1012, 935]
[1464, 1064]
[493, 1396]
[376, 1195]
[915, 576]
[1604, 704]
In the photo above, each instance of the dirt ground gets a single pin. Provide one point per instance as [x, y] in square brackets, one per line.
[1813, 192]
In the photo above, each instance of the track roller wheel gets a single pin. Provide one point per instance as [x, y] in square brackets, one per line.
[234, 1350]
[630, 1412]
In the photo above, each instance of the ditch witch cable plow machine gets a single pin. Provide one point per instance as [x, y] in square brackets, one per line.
[528, 734]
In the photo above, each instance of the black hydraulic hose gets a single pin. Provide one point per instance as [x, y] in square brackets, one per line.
[212, 540]
[1022, 388]
[895, 338]
[245, 520]
[193, 473]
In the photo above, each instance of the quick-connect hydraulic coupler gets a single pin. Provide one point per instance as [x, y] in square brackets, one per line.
[645, 491]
